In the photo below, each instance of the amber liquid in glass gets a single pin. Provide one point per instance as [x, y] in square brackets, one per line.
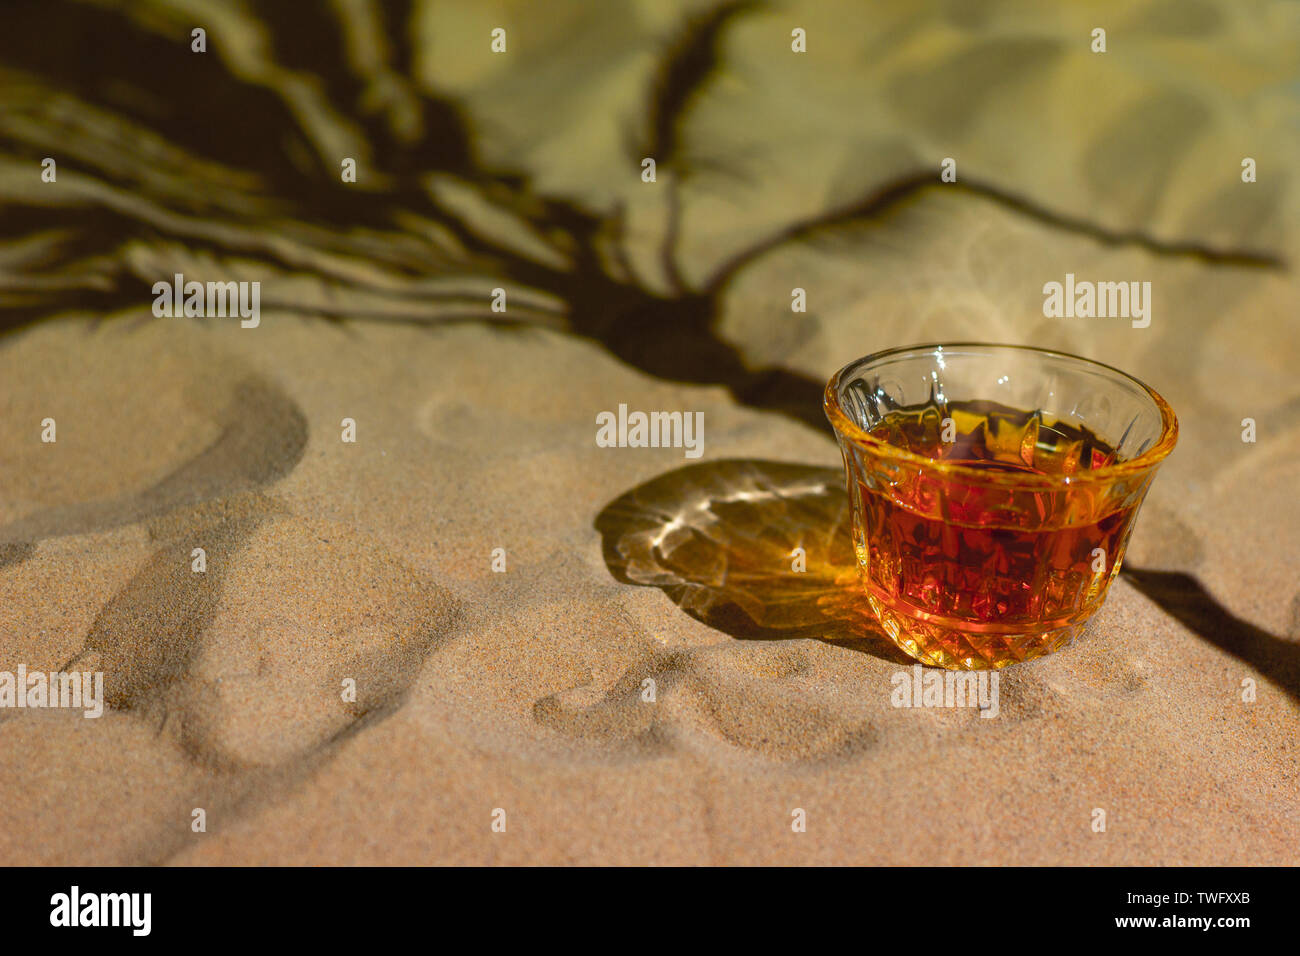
[985, 572]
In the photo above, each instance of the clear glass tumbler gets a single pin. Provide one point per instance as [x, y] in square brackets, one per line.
[993, 489]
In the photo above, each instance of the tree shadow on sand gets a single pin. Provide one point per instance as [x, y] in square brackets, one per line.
[125, 74]
[719, 539]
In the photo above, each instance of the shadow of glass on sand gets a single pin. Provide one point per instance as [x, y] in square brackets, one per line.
[720, 539]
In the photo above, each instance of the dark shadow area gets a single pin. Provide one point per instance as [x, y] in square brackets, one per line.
[719, 539]
[116, 64]
[1186, 599]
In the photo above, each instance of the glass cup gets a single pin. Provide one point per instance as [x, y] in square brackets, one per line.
[993, 489]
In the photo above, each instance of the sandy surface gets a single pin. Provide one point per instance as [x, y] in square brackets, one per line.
[523, 691]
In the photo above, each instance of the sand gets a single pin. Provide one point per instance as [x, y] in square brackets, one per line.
[503, 716]
[522, 690]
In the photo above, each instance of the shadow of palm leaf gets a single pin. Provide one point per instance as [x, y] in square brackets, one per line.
[719, 539]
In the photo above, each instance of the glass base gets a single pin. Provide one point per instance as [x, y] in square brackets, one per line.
[964, 650]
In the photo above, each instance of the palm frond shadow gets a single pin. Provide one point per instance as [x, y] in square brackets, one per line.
[257, 132]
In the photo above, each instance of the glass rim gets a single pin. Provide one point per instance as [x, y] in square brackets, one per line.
[1147, 460]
